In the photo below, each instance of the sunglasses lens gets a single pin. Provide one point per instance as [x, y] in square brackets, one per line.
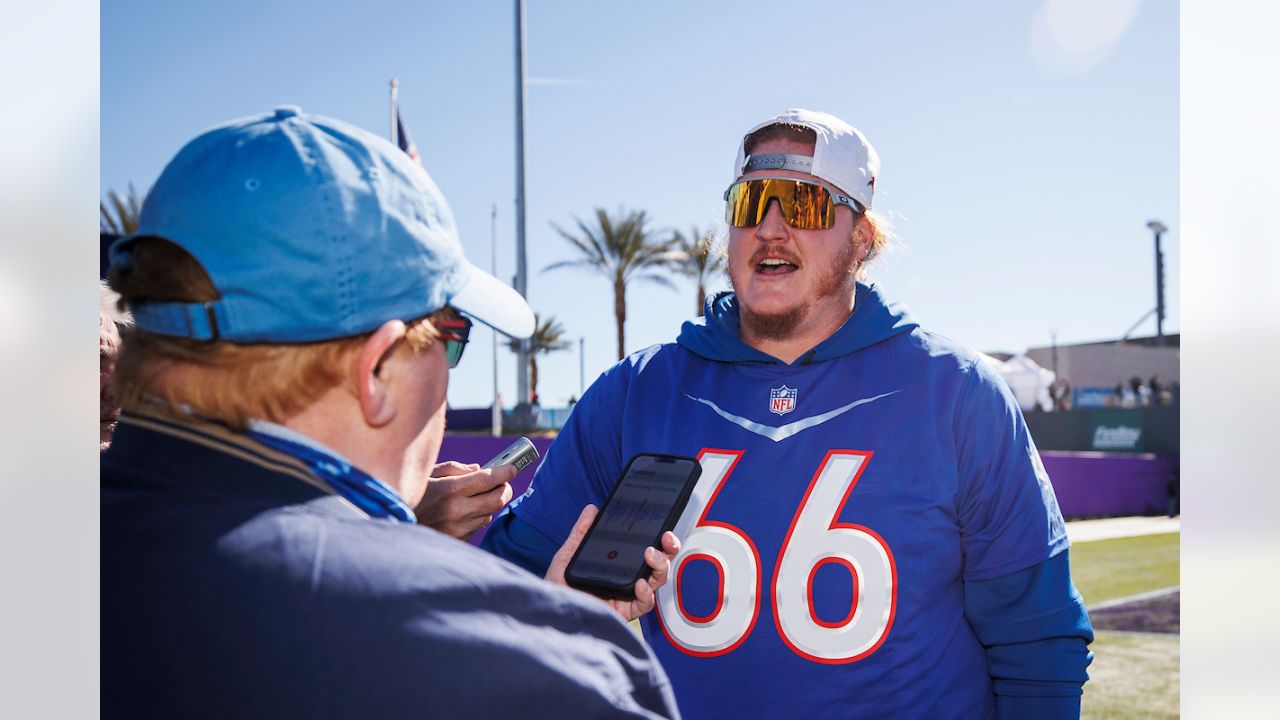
[805, 206]
[453, 352]
[742, 207]
[454, 333]
[811, 208]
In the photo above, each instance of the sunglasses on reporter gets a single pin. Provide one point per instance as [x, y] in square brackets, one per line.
[454, 333]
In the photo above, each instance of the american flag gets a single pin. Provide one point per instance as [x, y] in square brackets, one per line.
[404, 141]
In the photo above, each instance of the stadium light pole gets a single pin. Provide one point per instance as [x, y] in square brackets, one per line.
[1053, 335]
[522, 365]
[495, 418]
[1158, 228]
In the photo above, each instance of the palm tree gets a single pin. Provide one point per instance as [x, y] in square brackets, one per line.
[699, 263]
[622, 249]
[121, 218]
[548, 337]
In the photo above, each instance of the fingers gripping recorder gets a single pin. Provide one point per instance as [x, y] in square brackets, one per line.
[463, 497]
[520, 453]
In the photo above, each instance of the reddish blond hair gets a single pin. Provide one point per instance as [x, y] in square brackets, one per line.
[225, 381]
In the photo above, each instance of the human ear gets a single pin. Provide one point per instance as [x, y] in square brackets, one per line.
[369, 373]
[864, 231]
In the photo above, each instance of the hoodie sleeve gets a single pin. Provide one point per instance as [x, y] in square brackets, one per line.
[1019, 597]
[1008, 513]
[1036, 632]
[579, 469]
[518, 542]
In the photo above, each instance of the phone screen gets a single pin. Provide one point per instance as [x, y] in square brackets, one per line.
[633, 518]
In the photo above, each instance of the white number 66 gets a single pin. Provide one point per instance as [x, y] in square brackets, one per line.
[815, 539]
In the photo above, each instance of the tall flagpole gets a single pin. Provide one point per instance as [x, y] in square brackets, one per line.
[522, 365]
[495, 422]
[395, 98]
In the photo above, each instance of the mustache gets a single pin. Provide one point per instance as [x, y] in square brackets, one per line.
[764, 254]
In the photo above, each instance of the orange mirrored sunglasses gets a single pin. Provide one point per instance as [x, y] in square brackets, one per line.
[805, 205]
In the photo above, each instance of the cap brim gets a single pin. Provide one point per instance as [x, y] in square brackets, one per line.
[494, 303]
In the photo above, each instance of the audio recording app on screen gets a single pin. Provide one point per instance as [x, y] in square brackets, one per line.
[632, 519]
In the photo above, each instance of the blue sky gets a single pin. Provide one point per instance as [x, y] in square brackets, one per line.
[1024, 146]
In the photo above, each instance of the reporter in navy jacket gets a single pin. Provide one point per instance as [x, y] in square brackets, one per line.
[299, 294]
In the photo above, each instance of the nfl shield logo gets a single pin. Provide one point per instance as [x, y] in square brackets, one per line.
[782, 400]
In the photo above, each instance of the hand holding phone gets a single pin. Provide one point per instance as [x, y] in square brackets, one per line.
[644, 591]
[645, 503]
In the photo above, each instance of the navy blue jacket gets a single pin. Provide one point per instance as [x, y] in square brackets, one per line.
[235, 585]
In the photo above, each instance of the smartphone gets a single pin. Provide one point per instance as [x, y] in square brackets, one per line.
[646, 502]
[520, 453]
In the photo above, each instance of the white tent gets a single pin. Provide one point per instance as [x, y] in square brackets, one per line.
[1028, 381]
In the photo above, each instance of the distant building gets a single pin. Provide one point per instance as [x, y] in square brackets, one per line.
[1094, 369]
[1095, 421]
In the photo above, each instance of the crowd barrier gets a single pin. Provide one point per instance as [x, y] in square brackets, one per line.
[1152, 429]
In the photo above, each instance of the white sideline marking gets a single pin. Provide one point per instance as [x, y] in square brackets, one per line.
[1134, 598]
[1152, 634]
[1108, 528]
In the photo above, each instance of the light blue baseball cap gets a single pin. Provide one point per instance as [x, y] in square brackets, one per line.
[311, 229]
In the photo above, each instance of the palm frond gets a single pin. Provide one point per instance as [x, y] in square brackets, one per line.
[561, 264]
[548, 336]
[618, 246]
[119, 215]
[656, 279]
[701, 262]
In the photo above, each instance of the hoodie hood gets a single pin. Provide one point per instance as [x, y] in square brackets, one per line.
[715, 335]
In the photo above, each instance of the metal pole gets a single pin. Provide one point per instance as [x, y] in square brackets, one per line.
[1054, 334]
[1157, 228]
[496, 419]
[395, 98]
[1159, 292]
[522, 364]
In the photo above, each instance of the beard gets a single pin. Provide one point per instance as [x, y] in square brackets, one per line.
[780, 325]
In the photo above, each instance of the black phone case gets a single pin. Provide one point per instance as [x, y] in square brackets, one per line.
[626, 591]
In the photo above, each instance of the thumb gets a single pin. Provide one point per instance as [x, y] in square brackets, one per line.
[580, 528]
[555, 572]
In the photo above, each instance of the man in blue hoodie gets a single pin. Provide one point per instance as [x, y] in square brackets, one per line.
[873, 534]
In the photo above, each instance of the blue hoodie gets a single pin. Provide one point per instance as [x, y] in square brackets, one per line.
[717, 338]
[872, 534]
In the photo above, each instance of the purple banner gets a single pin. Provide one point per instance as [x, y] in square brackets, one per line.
[1093, 484]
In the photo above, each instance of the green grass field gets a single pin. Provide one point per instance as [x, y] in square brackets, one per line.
[1109, 569]
[1134, 675]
